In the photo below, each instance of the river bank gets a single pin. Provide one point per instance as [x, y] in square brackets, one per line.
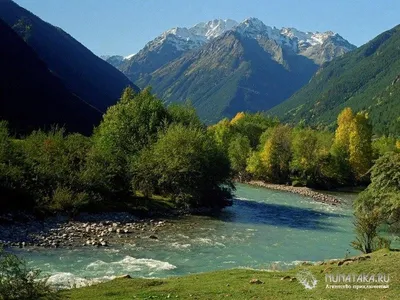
[89, 230]
[303, 282]
[303, 191]
[108, 229]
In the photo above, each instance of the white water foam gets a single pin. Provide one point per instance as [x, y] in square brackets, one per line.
[179, 246]
[64, 280]
[129, 264]
[207, 241]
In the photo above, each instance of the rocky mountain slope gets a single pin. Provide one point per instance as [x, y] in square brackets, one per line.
[31, 97]
[82, 72]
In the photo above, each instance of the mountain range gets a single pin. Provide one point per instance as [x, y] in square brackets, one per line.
[223, 66]
[367, 78]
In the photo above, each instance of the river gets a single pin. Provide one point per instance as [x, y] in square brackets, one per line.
[263, 229]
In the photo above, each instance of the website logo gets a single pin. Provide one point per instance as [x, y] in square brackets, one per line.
[307, 279]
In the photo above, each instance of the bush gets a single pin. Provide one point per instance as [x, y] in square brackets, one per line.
[66, 200]
[19, 282]
[366, 226]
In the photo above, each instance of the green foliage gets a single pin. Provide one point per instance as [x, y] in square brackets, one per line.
[139, 145]
[276, 154]
[384, 190]
[239, 151]
[131, 124]
[186, 165]
[365, 79]
[18, 282]
[66, 200]
[367, 238]
[382, 145]
[305, 156]
[253, 125]
[184, 114]
[222, 133]
[379, 203]
[255, 166]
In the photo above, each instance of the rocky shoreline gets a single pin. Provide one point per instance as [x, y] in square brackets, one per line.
[303, 191]
[89, 230]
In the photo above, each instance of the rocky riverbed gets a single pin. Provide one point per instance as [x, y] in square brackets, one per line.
[99, 230]
[304, 191]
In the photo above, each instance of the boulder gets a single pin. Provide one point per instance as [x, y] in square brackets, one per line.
[256, 281]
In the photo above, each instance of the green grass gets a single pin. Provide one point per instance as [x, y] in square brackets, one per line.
[235, 284]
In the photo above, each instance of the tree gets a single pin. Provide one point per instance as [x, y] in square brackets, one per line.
[382, 145]
[184, 114]
[239, 151]
[255, 166]
[305, 152]
[127, 127]
[360, 146]
[342, 133]
[222, 133]
[131, 124]
[186, 165]
[238, 116]
[366, 227]
[252, 126]
[380, 202]
[276, 154]
[341, 147]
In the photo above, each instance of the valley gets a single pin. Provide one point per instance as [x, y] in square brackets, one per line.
[165, 150]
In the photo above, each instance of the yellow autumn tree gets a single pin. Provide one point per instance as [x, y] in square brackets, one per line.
[238, 116]
[342, 133]
[398, 144]
[276, 154]
[360, 145]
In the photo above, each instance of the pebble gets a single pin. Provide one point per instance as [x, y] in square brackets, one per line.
[304, 191]
[99, 230]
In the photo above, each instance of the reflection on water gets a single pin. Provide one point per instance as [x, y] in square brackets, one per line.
[263, 229]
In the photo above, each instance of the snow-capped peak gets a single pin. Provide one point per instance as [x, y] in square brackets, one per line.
[254, 28]
[183, 38]
[312, 38]
[213, 29]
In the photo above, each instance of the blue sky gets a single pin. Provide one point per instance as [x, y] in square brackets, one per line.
[125, 26]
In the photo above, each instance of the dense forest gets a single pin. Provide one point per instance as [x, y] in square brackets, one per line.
[140, 149]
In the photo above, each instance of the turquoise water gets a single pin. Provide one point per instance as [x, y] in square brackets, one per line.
[263, 229]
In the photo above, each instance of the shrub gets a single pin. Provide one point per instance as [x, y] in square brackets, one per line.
[366, 227]
[66, 200]
[19, 282]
